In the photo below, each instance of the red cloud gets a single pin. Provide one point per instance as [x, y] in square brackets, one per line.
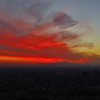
[42, 41]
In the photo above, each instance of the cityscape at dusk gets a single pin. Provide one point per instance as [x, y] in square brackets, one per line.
[49, 50]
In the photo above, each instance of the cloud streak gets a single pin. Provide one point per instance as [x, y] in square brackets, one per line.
[33, 36]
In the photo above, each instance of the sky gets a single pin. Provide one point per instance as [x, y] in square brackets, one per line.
[49, 31]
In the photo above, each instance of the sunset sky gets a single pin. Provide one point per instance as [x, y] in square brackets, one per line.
[49, 31]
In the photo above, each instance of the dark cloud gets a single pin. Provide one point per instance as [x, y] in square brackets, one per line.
[65, 20]
[81, 43]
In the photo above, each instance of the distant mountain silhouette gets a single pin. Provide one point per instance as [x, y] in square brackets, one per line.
[62, 64]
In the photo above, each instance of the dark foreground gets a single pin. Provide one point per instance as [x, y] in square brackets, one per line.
[49, 83]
